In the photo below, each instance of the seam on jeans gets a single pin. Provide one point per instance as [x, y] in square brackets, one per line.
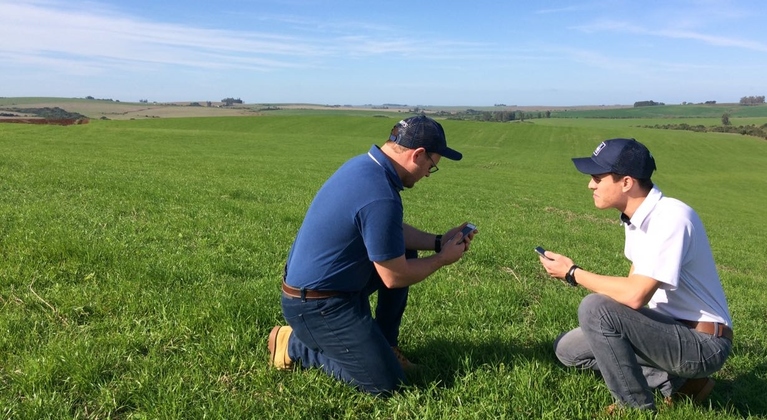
[354, 357]
[615, 359]
[706, 363]
[300, 318]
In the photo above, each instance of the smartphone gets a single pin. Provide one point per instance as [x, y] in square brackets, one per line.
[542, 252]
[467, 230]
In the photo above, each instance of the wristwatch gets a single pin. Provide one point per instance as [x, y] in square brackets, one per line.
[570, 276]
[438, 243]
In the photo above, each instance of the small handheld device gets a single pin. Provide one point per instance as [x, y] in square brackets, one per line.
[542, 252]
[467, 230]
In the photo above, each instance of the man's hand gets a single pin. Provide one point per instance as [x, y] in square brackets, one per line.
[456, 232]
[556, 265]
[401, 272]
[633, 291]
[454, 244]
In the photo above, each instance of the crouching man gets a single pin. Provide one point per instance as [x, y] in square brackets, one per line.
[666, 325]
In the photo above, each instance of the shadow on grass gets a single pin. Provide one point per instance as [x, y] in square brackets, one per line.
[744, 394]
[444, 360]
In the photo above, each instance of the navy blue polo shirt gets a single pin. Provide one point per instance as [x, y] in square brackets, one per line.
[355, 219]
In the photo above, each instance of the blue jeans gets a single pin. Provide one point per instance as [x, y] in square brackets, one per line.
[637, 351]
[340, 336]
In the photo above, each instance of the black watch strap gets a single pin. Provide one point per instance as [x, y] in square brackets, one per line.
[570, 276]
[438, 243]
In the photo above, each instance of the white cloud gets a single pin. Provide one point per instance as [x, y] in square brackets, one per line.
[719, 41]
[53, 33]
[627, 27]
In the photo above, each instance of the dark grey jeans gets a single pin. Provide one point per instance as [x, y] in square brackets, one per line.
[637, 351]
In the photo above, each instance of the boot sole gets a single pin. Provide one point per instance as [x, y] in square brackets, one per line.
[272, 344]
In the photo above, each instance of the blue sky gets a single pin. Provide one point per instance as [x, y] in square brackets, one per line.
[524, 53]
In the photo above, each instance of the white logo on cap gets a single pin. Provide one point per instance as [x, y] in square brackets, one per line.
[403, 123]
[599, 148]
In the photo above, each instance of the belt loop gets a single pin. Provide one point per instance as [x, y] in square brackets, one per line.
[716, 330]
[303, 294]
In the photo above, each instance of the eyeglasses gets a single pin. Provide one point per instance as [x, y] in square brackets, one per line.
[433, 168]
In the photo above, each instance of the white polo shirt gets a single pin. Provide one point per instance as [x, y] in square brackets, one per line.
[665, 240]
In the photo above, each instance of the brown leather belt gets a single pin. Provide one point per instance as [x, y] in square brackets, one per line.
[712, 328]
[306, 293]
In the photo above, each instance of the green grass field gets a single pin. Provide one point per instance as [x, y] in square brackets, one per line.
[669, 111]
[140, 266]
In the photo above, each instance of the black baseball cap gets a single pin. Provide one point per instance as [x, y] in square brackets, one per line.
[618, 156]
[422, 131]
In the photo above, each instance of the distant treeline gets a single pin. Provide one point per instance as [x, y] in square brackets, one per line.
[647, 103]
[752, 100]
[746, 100]
[231, 101]
[746, 130]
[494, 116]
[91, 98]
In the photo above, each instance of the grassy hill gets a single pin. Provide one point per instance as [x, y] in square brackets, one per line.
[669, 111]
[128, 110]
[141, 264]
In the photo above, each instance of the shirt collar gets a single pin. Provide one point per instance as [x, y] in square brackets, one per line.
[378, 156]
[644, 209]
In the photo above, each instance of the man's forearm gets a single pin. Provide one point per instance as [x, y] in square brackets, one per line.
[402, 272]
[417, 239]
[633, 291]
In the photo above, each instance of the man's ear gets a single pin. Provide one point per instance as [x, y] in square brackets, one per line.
[417, 153]
[627, 183]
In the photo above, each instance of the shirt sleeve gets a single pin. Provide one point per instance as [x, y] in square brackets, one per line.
[380, 224]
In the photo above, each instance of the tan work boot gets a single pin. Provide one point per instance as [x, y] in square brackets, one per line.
[278, 348]
[697, 390]
[403, 361]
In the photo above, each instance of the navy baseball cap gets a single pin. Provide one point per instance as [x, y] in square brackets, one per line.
[422, 131]
[618, 156]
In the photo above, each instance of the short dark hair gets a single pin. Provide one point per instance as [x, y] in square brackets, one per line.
[644, 183]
